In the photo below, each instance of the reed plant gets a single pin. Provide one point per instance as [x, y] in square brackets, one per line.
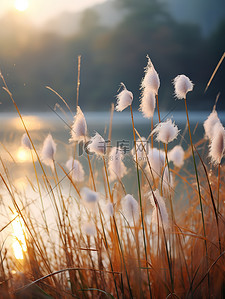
[98, 240]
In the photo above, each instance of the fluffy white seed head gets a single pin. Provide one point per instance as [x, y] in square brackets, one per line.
[109, 209]
[217, 145]
[89, 229]
[147, 106]
[159, 209]
[97, 145]
[142, 149]
[124, 99]
[156, 160]
[88, 195]
[167, 181]
[151, 79]
[89, 198]
[209, 124]
[166, 131]
[79, 127]
[182, 85]
[130, 207]
[48, 151]
[176, 155]
[116, 167]
[25, 141]
[75, 170]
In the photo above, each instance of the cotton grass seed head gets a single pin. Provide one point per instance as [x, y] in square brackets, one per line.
[48, 151]
[158, 209]
[109, 209]
[79, 127]
[167, 181]
[209, 124]
[142, 150]
[182, 85]
[89, 197]
[25, 141]
[130, 207]
[151, 79]
[89, 229]
[166, 131]
[97, 145]
[124, 99]
[147, 106]
[176, 155]
[116, 167]
[217, 145]
[156, 160]
[75, 170]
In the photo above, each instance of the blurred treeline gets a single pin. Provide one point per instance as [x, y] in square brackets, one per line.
[31, 58]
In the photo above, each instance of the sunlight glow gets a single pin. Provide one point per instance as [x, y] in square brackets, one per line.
[33, 123]
[23, 155]
[21, 5]
[20, 184]
[19, 243]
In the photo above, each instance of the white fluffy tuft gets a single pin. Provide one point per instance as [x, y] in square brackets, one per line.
[116, 167]
[48, 151]
[166, 131]
[176, 155]
[97, 145]
[182, 85]
[209, 124]
[89, 229]
[161, 209]
[75, 170]
[79, 127]
[156, 160]
[167, 181]
[151, 79]
[130, 207]
[147, 106]
[217, 145]
[142, 149]
[124, 99]
[109, 209]
[89, 197]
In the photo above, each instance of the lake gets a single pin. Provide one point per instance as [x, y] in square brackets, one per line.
[19, 163]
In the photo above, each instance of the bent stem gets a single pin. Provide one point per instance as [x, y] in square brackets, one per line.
[78, 78]
[139, 192]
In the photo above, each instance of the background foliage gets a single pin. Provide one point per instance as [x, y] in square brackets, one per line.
[31, 58]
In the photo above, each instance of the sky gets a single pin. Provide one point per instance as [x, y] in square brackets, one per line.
[40, 11]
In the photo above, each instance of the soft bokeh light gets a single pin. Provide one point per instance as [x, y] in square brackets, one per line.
[32, 123]
[23, 155]
[41, 11]
[19, 244]
[21, 184]
[21, 5]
